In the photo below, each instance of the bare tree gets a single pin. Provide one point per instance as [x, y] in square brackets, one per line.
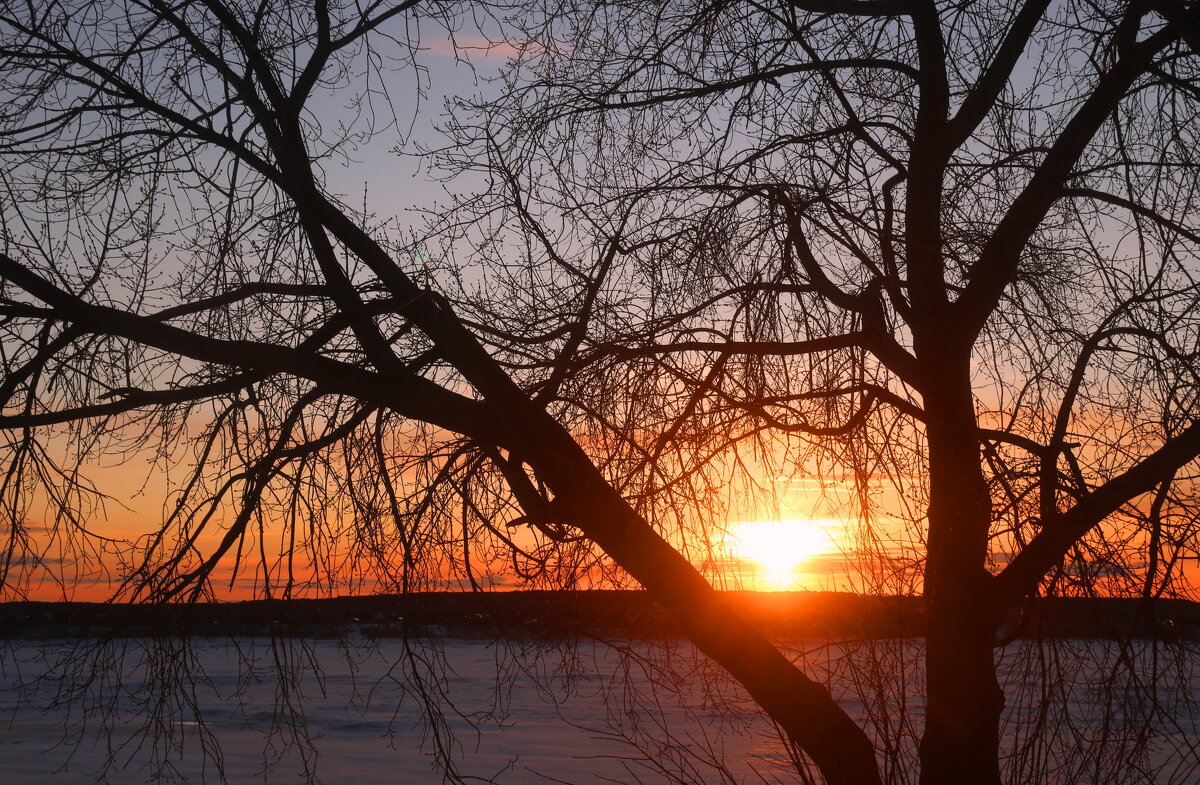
[948, 252]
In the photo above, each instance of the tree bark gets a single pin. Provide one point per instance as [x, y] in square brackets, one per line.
[963, 698]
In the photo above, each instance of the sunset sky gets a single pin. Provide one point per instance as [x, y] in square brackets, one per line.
[789, 534]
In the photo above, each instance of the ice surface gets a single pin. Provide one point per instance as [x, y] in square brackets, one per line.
[291, 711]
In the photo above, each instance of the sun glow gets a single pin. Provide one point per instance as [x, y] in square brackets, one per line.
[772, 555]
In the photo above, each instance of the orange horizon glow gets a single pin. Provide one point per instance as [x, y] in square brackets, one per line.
[759, 552]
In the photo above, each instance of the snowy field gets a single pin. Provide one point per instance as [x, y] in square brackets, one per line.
[357, 711]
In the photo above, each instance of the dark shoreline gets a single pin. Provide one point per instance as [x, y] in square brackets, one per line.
[625, 614]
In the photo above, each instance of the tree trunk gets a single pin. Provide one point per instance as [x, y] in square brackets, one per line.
[963, 698]
[961, 743]
[803, 708]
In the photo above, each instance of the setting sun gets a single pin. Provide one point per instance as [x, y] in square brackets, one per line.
[777, 550]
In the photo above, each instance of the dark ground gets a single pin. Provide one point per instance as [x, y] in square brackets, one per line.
[633, 614]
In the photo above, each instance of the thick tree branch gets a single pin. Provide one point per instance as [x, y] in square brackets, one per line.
[1022, 575]
[409, 394]
[1000, 257]
[982, 98]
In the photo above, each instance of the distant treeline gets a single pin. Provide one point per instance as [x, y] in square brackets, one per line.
[626, 614]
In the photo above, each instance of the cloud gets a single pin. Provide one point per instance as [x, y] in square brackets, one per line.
[470, 45]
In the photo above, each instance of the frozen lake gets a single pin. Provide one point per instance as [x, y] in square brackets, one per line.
[357, 711]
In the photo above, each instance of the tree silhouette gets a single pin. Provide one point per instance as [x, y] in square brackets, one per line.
[948, 250]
